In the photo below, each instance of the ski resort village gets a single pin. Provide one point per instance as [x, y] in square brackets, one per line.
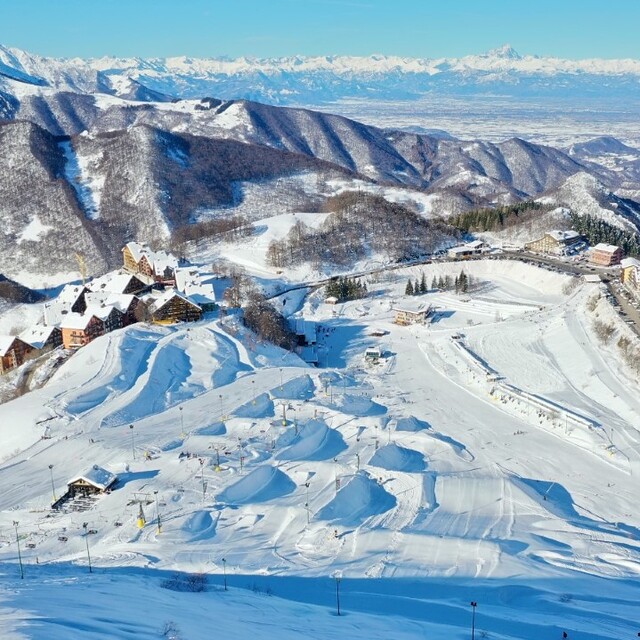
[268, 371]
[463, 429]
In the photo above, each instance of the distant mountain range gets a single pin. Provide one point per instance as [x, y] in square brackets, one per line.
[316, 80]
[96, 153]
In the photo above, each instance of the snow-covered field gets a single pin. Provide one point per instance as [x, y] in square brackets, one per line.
[413, 479]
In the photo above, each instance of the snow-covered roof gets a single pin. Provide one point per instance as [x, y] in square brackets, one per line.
[189, 281]
[121, 301]
[76, 321]
[97, 476]
[55, 311]
[100, 311]
[6, 342]
[463, 249]
[138, 249]
[165, 297]
[70, 294]
[605, 248]
[159, 260]
[563, 236]
[37, 335]
[626, 263]
[412, 307]
[306, 328]
[113, 282]
[476, 244]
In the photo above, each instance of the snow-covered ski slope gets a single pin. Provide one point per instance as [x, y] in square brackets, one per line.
[414, 478]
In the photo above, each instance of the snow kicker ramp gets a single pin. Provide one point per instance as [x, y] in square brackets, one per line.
[361, 498]
[315, 442]
[395, 458]
[261, 485]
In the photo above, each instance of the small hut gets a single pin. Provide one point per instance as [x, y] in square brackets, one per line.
[96, 480]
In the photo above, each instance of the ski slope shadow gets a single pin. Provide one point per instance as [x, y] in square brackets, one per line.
[316, 441]
[361, 498]
[558, 502]
[396, 458]
[261, 485]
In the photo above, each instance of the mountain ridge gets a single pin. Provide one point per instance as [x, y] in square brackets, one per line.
[296, 79]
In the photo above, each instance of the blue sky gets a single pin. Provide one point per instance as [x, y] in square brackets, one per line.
[422, 28]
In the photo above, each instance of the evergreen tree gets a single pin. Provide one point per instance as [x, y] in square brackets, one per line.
[409, 288]
[463, 282]
[434, 283]
[423, 284]
[441, 283]
[447, 283]
[457, 284]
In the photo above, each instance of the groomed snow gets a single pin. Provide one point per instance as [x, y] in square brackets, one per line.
[411, 477]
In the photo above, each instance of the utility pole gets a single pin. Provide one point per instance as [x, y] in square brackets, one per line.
[204, 487]
[306, 504]
[474, 604]
[224, 572]
[181, 422]
[221, 408]
[86, 539]
[133, 444]
[338, 579]
[15, 524]
[53, 488]
[155, 493]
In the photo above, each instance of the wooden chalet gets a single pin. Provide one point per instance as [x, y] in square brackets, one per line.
[42, 337]
[409, 313]
[70, 300]
[172, 307]
[117, 282]
[126, 304]
[95, 480]
[13, 352]
[79, 330]
[150, 266]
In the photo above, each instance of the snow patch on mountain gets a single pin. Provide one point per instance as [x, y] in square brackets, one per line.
[83, 182]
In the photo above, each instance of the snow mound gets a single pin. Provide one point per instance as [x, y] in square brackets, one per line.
[395, 458]
[263, 484]
[411, 423]
[123, 358]
[356, 405]
[315, 442]
[199, 526]
[362, 498]
[296, 389]
[261, 407]
[214, 429]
